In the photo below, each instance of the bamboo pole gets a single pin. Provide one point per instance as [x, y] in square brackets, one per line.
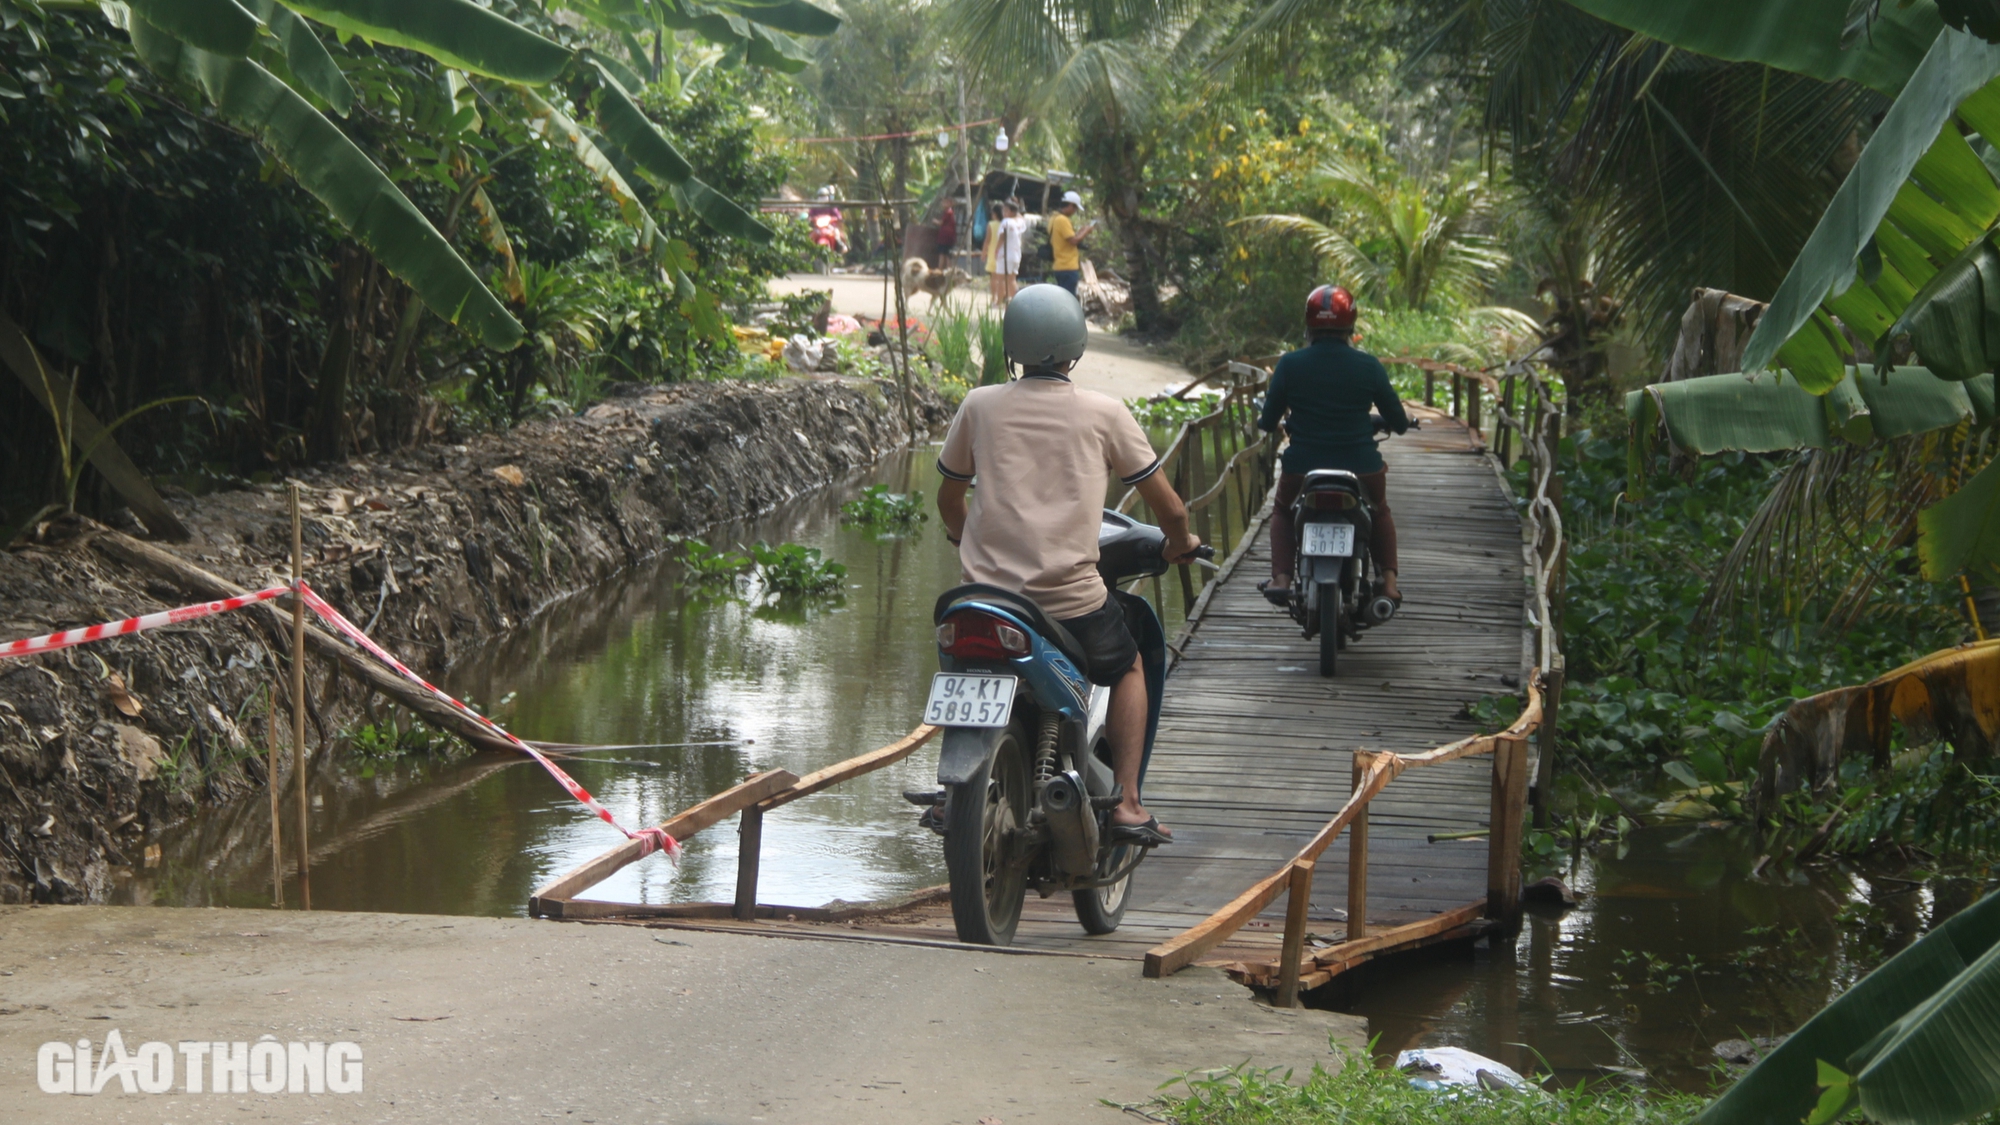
[271, 776]
[299, 700]
[1357, 858]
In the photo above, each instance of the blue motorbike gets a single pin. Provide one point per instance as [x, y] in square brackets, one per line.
[1024, 768]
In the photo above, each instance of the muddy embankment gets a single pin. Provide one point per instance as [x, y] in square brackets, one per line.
[435, 551]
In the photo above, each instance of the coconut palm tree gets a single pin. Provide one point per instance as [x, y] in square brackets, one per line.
[1405, 240]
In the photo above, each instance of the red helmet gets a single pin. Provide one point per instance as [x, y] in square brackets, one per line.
[1330, 308]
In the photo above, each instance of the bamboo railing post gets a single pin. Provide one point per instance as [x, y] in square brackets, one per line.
[1503, 836]
[271, 775]
[1430, 389]
[1357, 856]
[749, 851]
[1503, 433]
[1298, 898]
[1457, 395]
[1545, 740]
[299, 700]
[1187, 580]
[1472, 418]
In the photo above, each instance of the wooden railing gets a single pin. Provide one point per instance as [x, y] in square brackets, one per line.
[751, 800]
[1537, 428]
[1215, 459]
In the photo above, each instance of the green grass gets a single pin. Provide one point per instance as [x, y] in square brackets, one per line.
[1360, 1094]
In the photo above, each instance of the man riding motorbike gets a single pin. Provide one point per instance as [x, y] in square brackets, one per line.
[1040, 447]
[1329, 388]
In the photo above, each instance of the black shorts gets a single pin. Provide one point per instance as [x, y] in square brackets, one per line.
[1108, 647]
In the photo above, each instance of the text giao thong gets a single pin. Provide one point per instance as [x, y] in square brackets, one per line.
[266, 1066]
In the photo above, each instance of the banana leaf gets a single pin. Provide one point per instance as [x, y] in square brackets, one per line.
[222, 26]
[306, 55]
[560, 126]
[1957, 66]
[795, 16]
[457, 33]
[1962, 531]
[1802, 36]
[1929, 982]
[364, 200]
[627, 127]
[1954, 320]
[1766, 414]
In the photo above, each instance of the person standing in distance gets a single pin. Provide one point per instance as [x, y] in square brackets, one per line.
[1066, 239]
[1013, 232]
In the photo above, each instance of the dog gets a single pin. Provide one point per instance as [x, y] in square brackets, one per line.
[919, 277]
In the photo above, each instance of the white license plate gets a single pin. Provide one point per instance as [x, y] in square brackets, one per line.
[1329, 539]
[969, 701]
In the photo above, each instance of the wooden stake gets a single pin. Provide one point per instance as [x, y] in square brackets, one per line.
[271, 775]
[1298, 898]
[749, 850]
[299, 701]
[1503, 841]
[1357, 858]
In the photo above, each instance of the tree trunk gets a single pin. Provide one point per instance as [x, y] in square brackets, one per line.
[326, 437]
[1124, 199]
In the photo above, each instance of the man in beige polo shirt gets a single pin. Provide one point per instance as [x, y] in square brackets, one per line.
[1042, 449]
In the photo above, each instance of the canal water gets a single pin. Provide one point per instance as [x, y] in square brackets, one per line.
[1673, 946]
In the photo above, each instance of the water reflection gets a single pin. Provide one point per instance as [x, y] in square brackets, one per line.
[643, 660]
[1672, 948]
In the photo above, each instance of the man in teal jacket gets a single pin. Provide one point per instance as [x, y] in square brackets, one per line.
[1329, 387]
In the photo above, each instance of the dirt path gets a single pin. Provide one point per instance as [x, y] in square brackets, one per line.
[1113, 364]
[506, 1020]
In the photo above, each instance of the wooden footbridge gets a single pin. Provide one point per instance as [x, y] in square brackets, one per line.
[1260, 763]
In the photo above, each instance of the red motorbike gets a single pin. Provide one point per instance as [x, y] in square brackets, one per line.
[828, 230]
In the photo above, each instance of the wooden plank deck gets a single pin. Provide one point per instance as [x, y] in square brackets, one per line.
[1255, 749]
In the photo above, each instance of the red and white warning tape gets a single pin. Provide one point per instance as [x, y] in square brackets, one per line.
[140, 624]
[650, 839]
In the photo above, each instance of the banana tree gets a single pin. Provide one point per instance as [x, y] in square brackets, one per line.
[264, 68]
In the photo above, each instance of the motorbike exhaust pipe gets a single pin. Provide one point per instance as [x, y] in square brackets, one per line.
[1072, 823]
[1378, 610]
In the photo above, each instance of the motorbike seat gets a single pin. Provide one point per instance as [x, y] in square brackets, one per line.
[1018, 604]
[1339, 479]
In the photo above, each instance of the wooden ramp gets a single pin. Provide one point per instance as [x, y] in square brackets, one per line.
[1256, 751]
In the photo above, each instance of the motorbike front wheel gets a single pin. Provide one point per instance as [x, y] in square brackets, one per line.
[983, 819]
[1329, 626]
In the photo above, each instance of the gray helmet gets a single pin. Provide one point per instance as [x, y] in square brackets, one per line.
[1044, 327]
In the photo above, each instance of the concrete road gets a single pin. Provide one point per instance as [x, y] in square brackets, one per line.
[1112, 364]
[503, 1020]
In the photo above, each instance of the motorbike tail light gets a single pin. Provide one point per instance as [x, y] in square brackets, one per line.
[972, 635]
[1331, 501]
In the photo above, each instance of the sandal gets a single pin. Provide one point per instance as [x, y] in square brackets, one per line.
[1280, 597]
[1146, 835]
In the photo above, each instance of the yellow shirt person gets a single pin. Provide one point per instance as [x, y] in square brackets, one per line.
[1062, 239]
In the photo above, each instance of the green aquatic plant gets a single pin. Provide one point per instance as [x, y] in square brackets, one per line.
[1169, 413]
[791, 568]
[877, 507]
[706, 564]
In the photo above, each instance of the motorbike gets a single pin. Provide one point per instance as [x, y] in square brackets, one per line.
[1333, 589]
[1025, 788]
[829, 230]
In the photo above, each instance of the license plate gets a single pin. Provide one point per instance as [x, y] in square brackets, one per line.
[1335, 539]
[969, 701]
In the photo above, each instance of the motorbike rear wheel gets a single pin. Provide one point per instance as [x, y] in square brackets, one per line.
[1100, 909]
[1329, 626]
[983, 819]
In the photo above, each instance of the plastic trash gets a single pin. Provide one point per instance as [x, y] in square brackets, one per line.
[1434, 1068]
[802, 354]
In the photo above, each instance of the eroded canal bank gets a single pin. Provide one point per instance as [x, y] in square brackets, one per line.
[438, 551]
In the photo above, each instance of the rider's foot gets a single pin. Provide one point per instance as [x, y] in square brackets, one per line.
[1133, 815]
[1275, 592]
[1390, 589]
